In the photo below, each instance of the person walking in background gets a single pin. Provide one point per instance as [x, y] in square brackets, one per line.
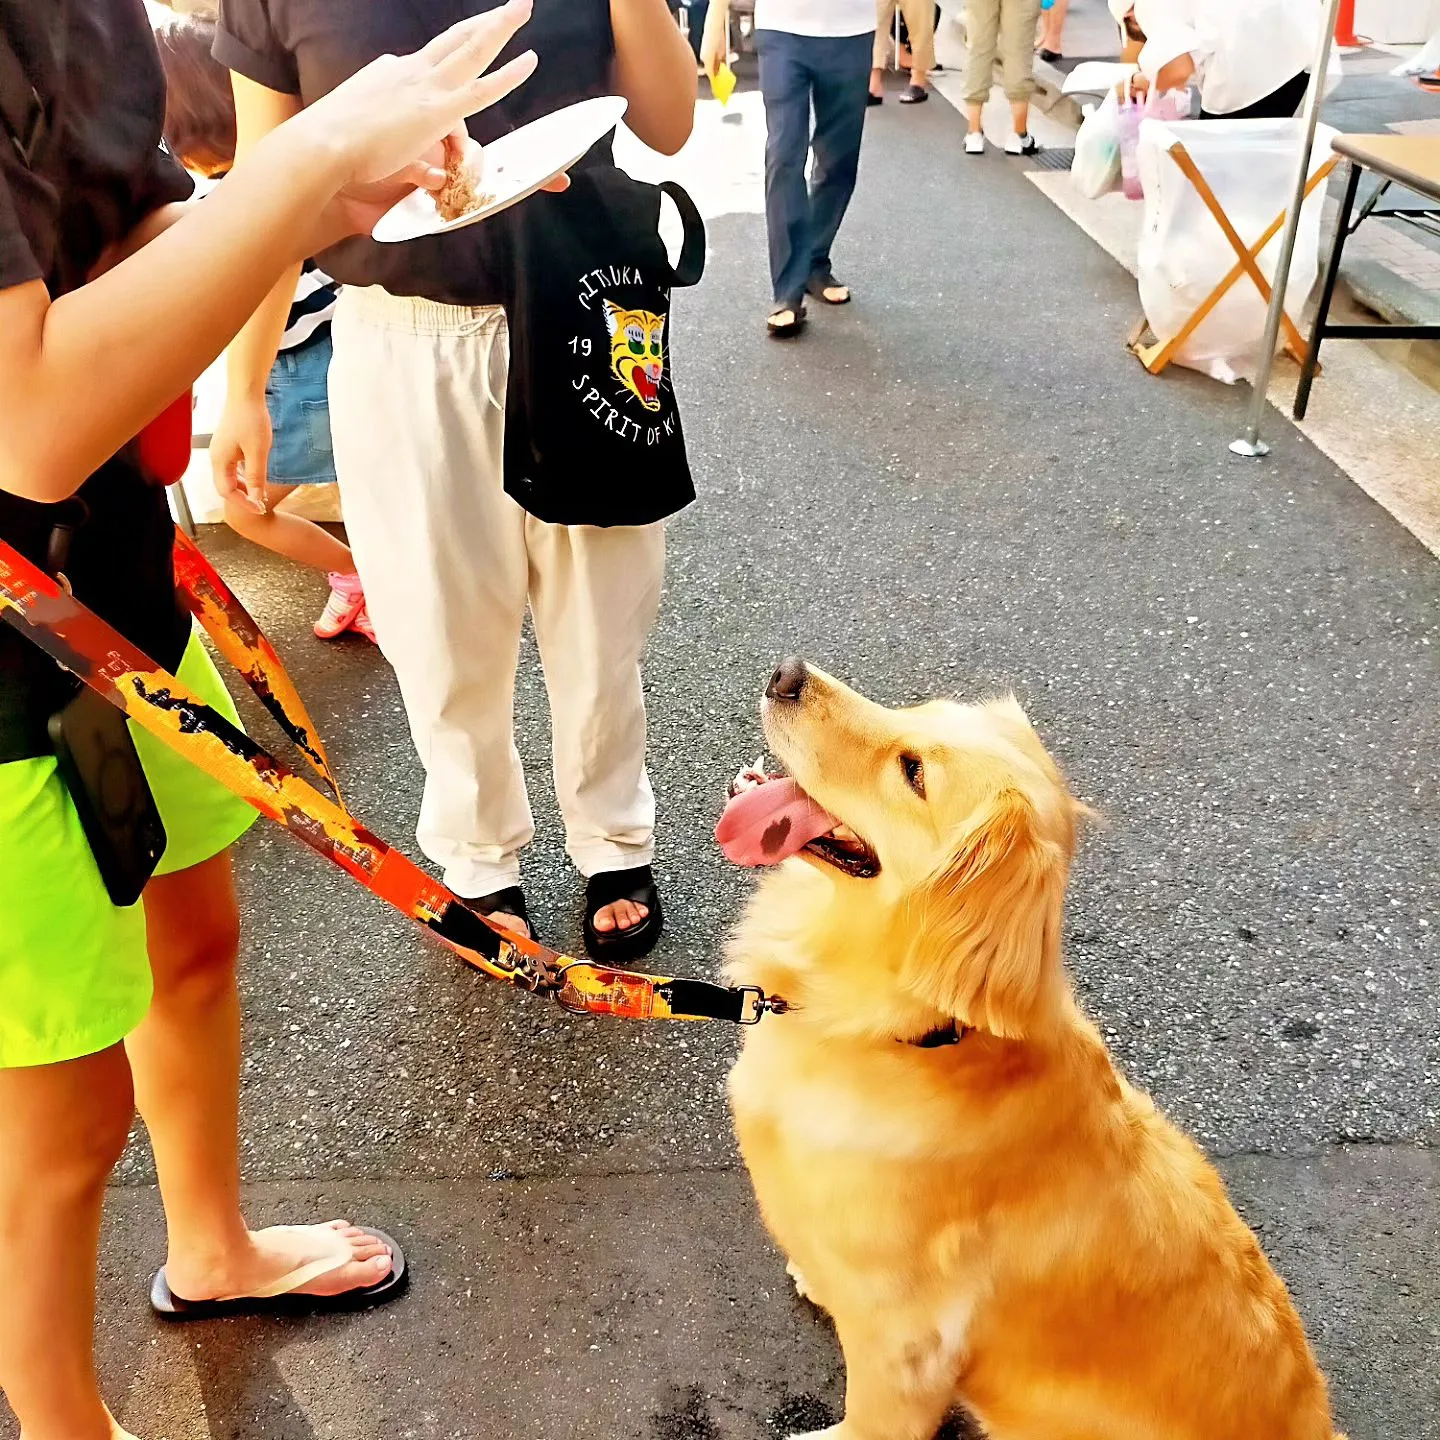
[200, 131]
[919, 18]
[813, 54]
[417, 393]
[1007, 27]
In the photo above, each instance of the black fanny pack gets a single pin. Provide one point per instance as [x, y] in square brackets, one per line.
[592, 428]
[94, 751]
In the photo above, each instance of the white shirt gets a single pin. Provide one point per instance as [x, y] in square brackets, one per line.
[816, 17]
[1244, 50]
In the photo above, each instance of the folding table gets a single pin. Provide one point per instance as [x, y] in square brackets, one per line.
[1409, 161]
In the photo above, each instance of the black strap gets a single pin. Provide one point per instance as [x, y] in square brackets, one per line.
[691, 265]
[707, 1001]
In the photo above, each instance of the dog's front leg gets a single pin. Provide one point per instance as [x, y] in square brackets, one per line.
[896, 1388]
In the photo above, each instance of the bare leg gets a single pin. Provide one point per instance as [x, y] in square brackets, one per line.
[62, 1128]
[1053, 23]
[1020, 116]
[973, 113]
[297, 539]
[186, 1060]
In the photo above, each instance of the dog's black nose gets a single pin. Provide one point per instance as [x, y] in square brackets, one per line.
[788, 681]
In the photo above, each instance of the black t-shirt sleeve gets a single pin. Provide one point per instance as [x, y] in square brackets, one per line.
[246, 43]
[17, 261]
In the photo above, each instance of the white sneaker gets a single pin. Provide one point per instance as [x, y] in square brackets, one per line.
[1021, 144]
[974, 143]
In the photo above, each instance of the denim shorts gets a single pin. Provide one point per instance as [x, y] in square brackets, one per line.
[298, 398]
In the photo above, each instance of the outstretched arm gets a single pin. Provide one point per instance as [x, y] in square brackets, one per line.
[82, 374]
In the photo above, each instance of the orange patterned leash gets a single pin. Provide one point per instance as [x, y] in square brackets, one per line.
[79, 640]
[242, 642]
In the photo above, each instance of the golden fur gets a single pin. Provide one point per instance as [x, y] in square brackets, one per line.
[1002, 1223]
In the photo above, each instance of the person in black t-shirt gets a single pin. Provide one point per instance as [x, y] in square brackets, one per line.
[447, 558]
[86, 363]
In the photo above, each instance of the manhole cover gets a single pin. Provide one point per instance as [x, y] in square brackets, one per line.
[1053, 160]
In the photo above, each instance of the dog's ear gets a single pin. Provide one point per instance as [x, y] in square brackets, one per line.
[986, 948]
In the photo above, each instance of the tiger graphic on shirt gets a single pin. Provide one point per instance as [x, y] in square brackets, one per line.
[637, 351]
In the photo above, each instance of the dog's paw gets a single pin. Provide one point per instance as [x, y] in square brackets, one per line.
[803, 1291]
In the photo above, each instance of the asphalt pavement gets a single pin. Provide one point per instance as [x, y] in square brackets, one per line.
[958, 484]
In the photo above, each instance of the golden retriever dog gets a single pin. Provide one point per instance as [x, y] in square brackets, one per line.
[938, 1139]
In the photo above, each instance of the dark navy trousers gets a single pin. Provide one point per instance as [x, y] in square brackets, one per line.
[828, 75]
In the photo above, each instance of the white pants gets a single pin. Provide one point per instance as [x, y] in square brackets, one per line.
[448, 560]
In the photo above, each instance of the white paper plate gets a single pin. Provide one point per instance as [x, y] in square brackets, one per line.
[515, 166]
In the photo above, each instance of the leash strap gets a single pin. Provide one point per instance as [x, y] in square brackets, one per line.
[242, 642]
[79, 640]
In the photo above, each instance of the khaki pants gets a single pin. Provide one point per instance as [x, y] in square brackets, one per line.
[449, 561]
[919, 21]
[1006, 27]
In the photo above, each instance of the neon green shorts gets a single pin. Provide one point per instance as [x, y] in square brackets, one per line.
[74, 972]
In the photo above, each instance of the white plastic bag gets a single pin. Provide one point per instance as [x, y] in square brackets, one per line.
[1184, 255]
[1096, 167]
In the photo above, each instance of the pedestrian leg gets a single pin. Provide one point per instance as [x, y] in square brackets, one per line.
[920, 22]
[594, 594]
[884, 39]
[785, 88]
[982, 34]
[840, 81]
[417, 395]
[1018, 22]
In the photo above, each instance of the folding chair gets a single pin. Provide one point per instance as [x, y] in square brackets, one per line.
[1158, 354]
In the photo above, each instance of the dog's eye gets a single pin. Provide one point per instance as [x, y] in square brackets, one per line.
[914, 769]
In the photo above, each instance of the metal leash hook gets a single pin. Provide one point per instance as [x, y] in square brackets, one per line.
[534, 974]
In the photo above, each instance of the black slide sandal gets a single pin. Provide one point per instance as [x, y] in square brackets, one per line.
[825, 280]
[790, 328]
[509, 901]
[169, 1306]
[637, 885]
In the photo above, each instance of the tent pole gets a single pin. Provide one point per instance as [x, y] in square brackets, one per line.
[1250, 443]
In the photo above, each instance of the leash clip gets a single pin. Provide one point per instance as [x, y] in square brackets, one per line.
[755, 1004]
[531, 973]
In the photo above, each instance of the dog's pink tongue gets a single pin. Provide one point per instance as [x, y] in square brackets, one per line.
[769, 823]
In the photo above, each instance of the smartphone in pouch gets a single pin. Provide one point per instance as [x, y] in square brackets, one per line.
[96, 758]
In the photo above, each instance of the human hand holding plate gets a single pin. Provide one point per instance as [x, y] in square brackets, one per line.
[383, 129]
[503, 173]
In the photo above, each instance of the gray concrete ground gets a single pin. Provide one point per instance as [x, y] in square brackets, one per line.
[961, 482]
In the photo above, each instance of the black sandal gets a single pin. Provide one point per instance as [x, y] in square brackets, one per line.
[169, 1306]
[786, 330]
[824, 280]
[509, 901]
[637, 885]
